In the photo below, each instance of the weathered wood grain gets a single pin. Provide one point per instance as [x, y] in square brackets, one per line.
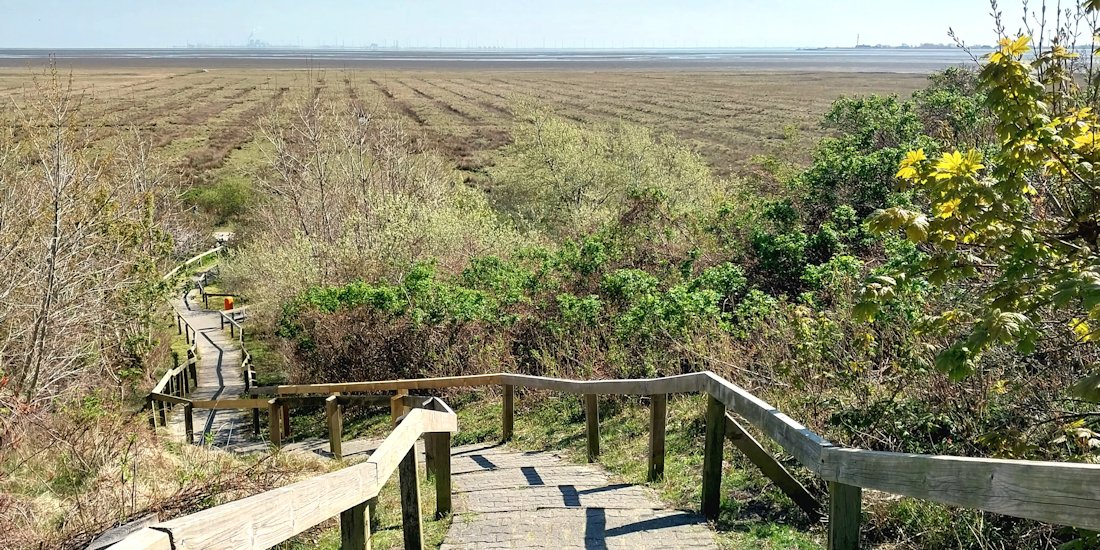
[440, 443]
[712, 458]
[683, 383]
[507, 421]
[800, 441]
[1055, 492]
[267, 519]
[335, 420]
[411, 528]
[845, 510]
[229, 403]
[397, 405]
[770, 467]
[658, 416]
[389, 385]
[145, 539]
[592, 425]
[355, 528]
[274, 424]
[169, 399]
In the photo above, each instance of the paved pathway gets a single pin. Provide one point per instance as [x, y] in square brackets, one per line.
[505, 498]
[219, 373]
[510, 499]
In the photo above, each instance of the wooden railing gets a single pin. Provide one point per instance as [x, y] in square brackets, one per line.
[1054, 492]
[205, 296]
[232, 318]
[270, 518]
[176, 384]
[190, 261]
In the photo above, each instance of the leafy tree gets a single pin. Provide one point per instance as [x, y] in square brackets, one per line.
[1016, 227]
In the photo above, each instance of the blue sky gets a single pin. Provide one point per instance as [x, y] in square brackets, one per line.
[567, 23]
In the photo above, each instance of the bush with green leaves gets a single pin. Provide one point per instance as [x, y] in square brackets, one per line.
[1013, 225]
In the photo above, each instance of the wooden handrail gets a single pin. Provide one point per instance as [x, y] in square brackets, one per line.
[190, 261]
[272, 517]
[1054, 492]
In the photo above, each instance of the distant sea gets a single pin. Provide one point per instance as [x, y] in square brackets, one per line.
[835, 59]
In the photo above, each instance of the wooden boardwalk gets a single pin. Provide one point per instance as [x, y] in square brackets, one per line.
[219, 376]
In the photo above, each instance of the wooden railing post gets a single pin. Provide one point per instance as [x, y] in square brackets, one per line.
[256, 421]
[592, 425]
[397, 405]
[152, 403]
[770, 467]
[658, 413]
[845, 502]
[712, 458]
[335, 426]
[162, 407]
[440, 444]
[286, 418]
[179, 323]
[274, 422]
[189, 423]
[355, 528]
[187, 334]
[372, 512]
[508, 414]
[410, 502]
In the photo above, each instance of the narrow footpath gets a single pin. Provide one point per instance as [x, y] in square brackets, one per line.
[510, 499]
[219, 375]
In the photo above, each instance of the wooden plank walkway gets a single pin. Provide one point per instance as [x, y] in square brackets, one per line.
[510, 499]
[505, 498]
[219, 375]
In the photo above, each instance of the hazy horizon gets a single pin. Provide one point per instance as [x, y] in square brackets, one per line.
[462, 24]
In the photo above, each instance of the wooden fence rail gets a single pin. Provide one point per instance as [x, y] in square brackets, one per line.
[1054, 492]
[269, 518]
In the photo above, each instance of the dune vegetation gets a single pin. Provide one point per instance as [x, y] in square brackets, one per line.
[900, 265]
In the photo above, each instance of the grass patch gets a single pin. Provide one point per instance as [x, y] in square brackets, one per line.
[270, 365]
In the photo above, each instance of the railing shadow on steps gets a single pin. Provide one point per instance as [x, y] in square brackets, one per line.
[272, 517]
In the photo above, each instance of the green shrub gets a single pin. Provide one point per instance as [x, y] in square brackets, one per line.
[227, 199]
